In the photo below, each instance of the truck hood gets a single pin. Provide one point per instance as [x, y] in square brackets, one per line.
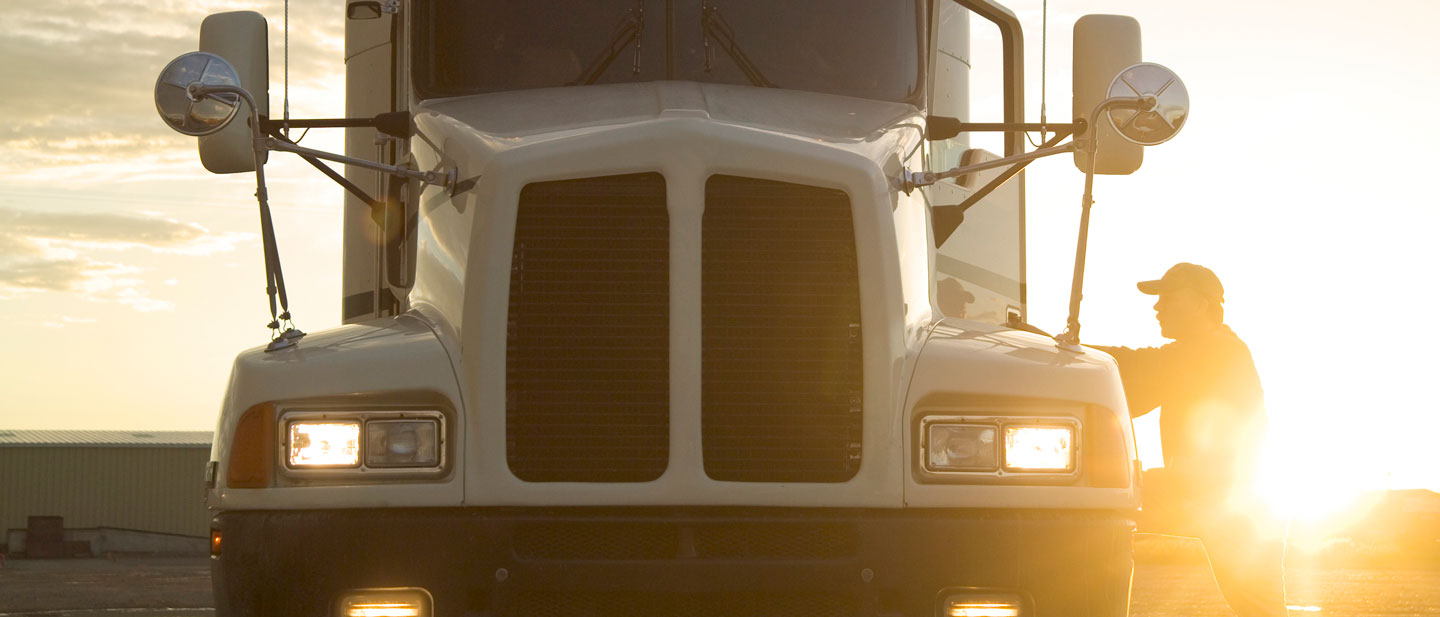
[526, 114]
[976, 359]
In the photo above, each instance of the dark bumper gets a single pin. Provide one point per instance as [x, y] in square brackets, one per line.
[643, 562]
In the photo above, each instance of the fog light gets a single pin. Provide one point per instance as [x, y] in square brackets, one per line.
[215, 542]
[399, 602]
[974, 605]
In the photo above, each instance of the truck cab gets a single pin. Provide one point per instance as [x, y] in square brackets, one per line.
[676, 333]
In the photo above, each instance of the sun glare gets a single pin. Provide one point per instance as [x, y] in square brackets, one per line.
[1302, 486]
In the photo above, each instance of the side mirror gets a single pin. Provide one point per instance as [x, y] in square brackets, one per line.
[1159, 123]
[195, 115]
[1105, 45]
[241, 38]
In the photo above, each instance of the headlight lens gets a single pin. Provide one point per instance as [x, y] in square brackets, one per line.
[999, 449]
[384, 442]
[1039, 448]
[324, 444]
[962, 447]
[402, 443]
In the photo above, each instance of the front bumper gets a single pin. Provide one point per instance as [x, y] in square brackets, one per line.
[639, 562]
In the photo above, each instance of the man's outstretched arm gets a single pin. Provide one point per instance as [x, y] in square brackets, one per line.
[1142, 371]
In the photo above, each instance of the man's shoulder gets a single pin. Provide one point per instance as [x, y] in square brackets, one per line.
[1227, 339]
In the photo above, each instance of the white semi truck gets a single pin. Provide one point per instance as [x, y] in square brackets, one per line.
[671, 307]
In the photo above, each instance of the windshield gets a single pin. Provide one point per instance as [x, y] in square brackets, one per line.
[861, 48]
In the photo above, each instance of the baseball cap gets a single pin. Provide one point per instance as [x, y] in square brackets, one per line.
[1186, 276]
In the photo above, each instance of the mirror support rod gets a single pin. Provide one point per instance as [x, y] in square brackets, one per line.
[274, 278]
[910, 180]
[940, 128]
[949, 218]
[349, 186]
[1070, 338]
[444, 179]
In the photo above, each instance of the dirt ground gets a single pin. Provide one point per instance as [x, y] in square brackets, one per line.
[57, 586]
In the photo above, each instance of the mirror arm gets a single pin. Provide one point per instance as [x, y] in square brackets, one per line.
[948, 218]
[394, 124]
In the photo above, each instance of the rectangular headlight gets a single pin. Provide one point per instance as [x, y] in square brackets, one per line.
[402, 443]
[1039, 448]
[961, 447]
[324, 444]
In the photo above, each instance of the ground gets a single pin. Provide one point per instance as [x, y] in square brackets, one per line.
[1161, 590]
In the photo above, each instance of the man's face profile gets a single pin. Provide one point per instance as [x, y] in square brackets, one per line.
[1180, 311]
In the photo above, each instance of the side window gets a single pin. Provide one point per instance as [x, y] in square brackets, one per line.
[979, 268]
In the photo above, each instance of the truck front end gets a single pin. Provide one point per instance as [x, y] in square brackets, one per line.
[675, 339]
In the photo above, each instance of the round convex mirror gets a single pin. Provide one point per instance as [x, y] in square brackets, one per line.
[1160, 123]
[190, 115]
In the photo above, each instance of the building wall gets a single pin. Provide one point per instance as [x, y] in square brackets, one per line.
[158, 489]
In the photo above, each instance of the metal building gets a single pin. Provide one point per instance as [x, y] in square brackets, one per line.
[149, 481]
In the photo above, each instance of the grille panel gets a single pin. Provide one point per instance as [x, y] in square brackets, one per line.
[631, 541]
[640, 604]
[781, 361]
[596, 541]
[587, 350]
[777, 541]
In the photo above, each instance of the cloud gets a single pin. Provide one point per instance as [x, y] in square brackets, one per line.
[43, 251]
[98, 228]
[54, 274]
[81, 74]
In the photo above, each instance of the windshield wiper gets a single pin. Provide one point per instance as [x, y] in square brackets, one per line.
[631, 27]
[713, 25]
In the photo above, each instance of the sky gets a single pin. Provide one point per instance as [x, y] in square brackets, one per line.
[130, 277]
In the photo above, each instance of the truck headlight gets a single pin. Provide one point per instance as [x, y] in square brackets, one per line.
[324, 444]
[402, 443]
[384, 442]
[1039, 448]
[961, 447]
[999, 449]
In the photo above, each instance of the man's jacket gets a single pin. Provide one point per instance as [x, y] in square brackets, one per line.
[1212, 423]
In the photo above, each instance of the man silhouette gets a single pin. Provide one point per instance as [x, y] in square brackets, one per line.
[1212, 426]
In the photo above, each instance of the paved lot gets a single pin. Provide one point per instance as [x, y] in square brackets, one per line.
[28, 585]
[1189, 591]
[65, 588]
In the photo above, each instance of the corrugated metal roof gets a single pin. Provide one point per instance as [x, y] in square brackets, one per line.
[170, 439]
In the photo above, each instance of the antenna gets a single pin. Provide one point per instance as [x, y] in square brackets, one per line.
[287, 69]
